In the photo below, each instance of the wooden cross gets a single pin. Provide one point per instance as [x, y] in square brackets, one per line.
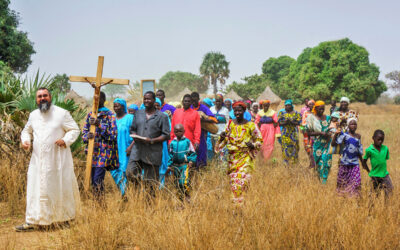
[96, 82]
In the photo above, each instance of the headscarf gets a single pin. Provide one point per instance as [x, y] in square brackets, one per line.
[289, 102]
[133, 106]
[351, 119]
[262, 102]
[311, 101]
[122, 102]
[219, 96]
[208, 101]
[317, 104]
[248, 101]
[345, 99]
[158, 101]
[254, 104]
[335, 115]
[240, 103]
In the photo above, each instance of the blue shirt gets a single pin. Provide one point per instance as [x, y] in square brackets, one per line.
[352, 149]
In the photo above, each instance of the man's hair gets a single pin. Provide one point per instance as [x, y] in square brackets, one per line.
[44, 88]
[103, 95]
[195, 95]
[187, 96]
[379, 132]
[150, 93]
[161, 91]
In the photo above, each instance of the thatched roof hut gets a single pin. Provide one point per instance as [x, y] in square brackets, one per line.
[268, 94]
[233, 95]
[77, 98]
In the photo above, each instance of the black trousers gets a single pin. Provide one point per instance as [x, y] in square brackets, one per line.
[139, 172]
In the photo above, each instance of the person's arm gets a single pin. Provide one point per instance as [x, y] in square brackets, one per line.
[335, 140]
[192, 156]
[165, 131]
[26, 134]
[172, 134]
[211, 117]
[257, 121]
[71, 131]
[197, 131]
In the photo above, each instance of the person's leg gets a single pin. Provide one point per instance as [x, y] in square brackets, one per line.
[387, 186]
[151, 176]
[133, 172]
[98, 175]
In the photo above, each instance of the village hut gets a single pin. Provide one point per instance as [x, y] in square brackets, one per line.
[233, 95]
[268, 94]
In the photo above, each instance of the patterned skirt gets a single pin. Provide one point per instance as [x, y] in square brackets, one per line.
[239, 184]
[349, 181]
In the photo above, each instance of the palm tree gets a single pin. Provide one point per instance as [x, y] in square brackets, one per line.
[214, 68]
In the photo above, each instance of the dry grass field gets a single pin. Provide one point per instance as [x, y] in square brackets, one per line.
[286, 208]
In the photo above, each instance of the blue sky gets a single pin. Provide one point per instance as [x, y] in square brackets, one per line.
[145, 39]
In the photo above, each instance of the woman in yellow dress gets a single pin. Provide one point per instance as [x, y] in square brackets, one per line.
[243, 140]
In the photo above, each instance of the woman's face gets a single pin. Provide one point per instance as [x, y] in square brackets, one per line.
[228, 104]
[344, 105]
[320, 110]
[353, 126]
[157, 106]
[239, 112]
[255, 108]
[218, 103]
[266, 106]
[288, 107]
[118, 108]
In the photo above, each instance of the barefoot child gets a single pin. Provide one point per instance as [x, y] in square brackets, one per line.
[182, 157]
[378, 154]
[349, 177]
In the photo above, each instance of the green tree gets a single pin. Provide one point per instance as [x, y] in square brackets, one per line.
[214, 69]
[276, 68]
[174, 82]
[15, 47]
[61, 83]
[112, 90]
[331, 70]
[252, 86]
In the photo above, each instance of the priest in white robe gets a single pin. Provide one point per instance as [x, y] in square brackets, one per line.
[52, 189]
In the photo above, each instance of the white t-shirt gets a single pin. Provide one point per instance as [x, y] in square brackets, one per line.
[222, 112]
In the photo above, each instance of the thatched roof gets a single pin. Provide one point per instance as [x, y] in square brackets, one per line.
[269, 95]
[233, 95]
[77, 98]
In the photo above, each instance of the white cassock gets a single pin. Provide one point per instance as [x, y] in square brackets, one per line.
[52, 189]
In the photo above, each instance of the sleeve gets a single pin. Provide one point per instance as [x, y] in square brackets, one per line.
[197, 129]
[26, 134]
[86, 129]
[367, 154]
[341, 138]
[192, 156]
[387, 155]
[277, 128]
[298, 118]
[210, 114]
[71, 129]
[220, 145]
[108, 129]
[360, 149]
[226, 115]
[165, 127]
[170, 154]
[172, 109]
[133, 128]
[172, 135]
[281, 118]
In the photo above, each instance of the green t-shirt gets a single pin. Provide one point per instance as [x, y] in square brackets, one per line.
[378, 160]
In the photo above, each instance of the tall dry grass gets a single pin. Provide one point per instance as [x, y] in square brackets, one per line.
[285, 208]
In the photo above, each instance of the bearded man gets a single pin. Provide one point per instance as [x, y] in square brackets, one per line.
[52, 190]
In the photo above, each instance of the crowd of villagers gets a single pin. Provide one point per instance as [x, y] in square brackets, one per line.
[159, 141]
[145, 147]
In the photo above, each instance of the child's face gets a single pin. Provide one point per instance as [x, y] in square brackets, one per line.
[378, 139]
[353, 126]
[131, 111]
[179, 132]
[334, 119]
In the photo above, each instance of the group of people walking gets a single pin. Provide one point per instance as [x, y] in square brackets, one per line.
[144, 145]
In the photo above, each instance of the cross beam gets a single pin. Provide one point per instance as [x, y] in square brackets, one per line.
[96, 82]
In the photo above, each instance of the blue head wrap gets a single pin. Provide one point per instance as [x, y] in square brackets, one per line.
[158, 101]
[133, 106]
[122, 102]
[208, 101]
[289, 102]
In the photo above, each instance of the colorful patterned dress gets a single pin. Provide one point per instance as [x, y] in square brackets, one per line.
[349, 177]
[344, 116]
[240, 157]
[265, 121]
[322, 157]
[289, 136]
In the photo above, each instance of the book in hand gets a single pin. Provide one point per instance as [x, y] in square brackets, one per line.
[134, 136]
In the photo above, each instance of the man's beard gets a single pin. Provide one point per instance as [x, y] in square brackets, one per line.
[44, 106]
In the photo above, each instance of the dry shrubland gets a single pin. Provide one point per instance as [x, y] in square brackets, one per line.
[285, 208]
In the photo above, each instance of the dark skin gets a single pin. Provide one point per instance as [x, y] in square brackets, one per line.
[344, 106]
[186, 103]
[120, 113]
[239, 112]
[320, 115]
[160, 95]
[255, 109]
[218, 103]
[289, 109]
[266, 108]
[378, 141]
[228, 105]
[150, 109]
[131, 111]
[43, 95]
[195, 103]
[95, 121]
[157, 106]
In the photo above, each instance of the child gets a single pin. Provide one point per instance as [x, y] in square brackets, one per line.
[332, 129]
[349, 177]
[379, 154]
[182, 156]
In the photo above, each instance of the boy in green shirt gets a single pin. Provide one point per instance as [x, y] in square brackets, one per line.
[378, 154]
